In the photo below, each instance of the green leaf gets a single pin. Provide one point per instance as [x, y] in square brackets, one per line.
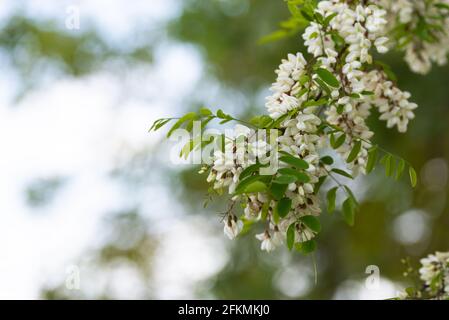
[275, 215]
[331, 196]
[221, 114]
[306, 15]
[339, 40]
[348, 211]
[278, 121]
[442, 6]
[249, 170]
[278, 190]
[304, 79]
[351, 195]
[323, 85]
[265, 208]
[306, 247]
[313, 103]
[261, 121]
[400, 169]
[291, 236]
[318, 185]
[293, 9]
[189, 125]
[340, 108]
[256, 186]
[206, 121]
[355, 151]
[205, 112]
[387, 162]
[327, 160]
[283, 207]
[372, 159]
[319, 17]
[159, 123]
[241, 187]
[188, 147]
[273, 36]
[312, 223]
[328, 19]
[300, 176]
[337, 142]
[328, 77]
[342, 173]
[225, 121]
[413, 176]
[296, 162]
[177, 125]
[285, 179]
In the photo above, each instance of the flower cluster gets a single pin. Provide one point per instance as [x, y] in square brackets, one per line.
[435, 273]
[421, 29]
[433, 282]
[319, 101]
[342, 88]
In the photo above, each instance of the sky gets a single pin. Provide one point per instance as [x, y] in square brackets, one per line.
[73, 128]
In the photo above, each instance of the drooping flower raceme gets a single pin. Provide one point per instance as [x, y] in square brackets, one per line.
[435, 273]
[275, 165]
[433, 278]
[421, 30]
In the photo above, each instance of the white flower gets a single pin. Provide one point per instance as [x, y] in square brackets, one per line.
[278, 236]
[232, 226]
[241, 130]
[267, 242]
[419, 53]
[286, 86]
[433, 266]
[380, 44]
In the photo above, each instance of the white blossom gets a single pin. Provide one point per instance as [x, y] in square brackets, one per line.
[232, 226]
[267, 243]
[433, 266]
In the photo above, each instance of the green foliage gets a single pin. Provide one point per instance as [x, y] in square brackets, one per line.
[285, 179]
[243, 185]
[277, 191]
[299, 176]
[294, 161]
[306, 247]
[291, 235]
[312, 223]
[301, 14]
[342, 173]
[372, 159]
[354, 151]
[348, 208]
[413, 177]
[331, 197]
[327, 160]
[337, 142]
[256, 186]
[283, 207]
[328, 77]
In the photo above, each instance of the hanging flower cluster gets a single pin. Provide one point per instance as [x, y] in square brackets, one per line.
[275, 165]
[434, 277]
[421, 30]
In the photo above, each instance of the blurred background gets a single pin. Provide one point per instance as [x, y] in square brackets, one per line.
[91, 207]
